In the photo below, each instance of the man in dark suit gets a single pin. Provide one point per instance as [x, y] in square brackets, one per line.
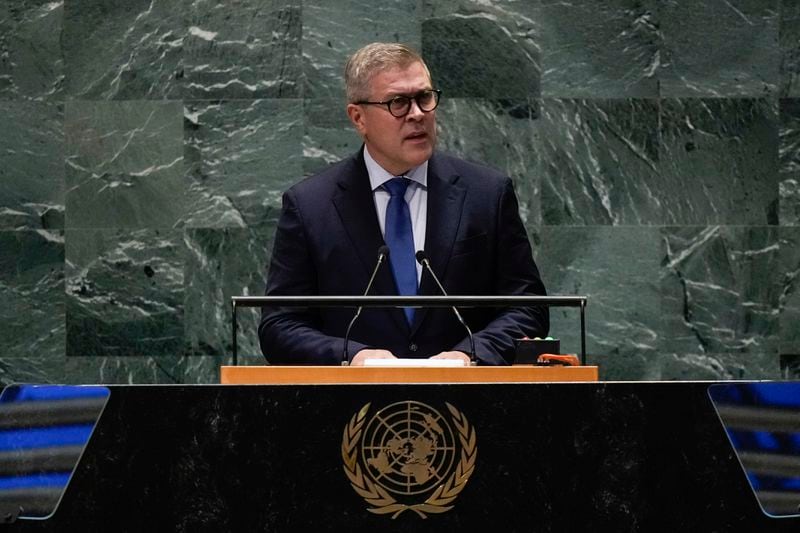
[398, 190]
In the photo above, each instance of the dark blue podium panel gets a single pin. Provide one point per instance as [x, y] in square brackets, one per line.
[762, 421]
[43, 432]
[542, 457]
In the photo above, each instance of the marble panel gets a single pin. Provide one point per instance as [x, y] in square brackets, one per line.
[329, 136]
[240, 157]
[789, 154]
[789, 301]
[222, 263]
[32, 291]
[617, 269]
[790, 48]
[125, 292]
[31, 66]
[600, 49]
[498, 133]
[247, 50]
[143, 370]
[124, 164]
[123, 49]
[718, 161]
[32, 165]
[719, 49]
[333, 30]
[720, 290]
[483, 49]
[719, 366]
[599, 162]
[14, 370]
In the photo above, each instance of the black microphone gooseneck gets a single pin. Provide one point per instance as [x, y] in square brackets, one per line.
[383, 253]
[422, 259]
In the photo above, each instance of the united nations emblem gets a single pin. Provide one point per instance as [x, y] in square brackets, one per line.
[407, 457]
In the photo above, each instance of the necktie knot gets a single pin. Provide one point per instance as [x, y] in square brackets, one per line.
[397, 186]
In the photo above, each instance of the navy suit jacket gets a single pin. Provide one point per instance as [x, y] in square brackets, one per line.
[327, 243]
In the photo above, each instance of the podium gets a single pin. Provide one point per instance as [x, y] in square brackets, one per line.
[573, 456]
[299, 375]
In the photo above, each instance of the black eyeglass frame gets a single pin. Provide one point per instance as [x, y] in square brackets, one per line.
[388, 103]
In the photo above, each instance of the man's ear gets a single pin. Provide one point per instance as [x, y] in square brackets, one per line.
[356, 114]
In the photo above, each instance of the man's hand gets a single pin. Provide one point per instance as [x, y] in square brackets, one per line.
[453, 355]
[361, 356]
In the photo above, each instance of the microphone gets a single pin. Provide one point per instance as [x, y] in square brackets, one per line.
[422, 259]
[383, 253]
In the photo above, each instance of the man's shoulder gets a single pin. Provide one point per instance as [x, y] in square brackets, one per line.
[471, 172]
[326, 180]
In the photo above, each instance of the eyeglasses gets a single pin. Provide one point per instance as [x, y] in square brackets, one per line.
[399, 106]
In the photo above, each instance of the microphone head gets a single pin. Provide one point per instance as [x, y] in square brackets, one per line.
[383, 251]
[421, 256]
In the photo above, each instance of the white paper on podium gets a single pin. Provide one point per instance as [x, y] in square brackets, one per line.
[414, 362]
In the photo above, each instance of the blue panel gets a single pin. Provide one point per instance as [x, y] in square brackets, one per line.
[25, 393]
[39, 480]
[15, 439]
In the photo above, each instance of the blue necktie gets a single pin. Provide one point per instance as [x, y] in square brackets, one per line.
[400, 239]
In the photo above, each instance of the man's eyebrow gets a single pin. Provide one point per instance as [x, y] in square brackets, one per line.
[407, 95]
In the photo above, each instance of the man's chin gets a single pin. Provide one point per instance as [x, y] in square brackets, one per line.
[419, 152]
[419, 159]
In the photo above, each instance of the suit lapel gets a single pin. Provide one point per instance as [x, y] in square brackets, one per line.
[356, 208]
[445, 202]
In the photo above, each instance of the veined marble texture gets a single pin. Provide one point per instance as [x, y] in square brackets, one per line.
[242, 49]
[31, 67]
[124, 164]
[32, 165]
[482, 49]
[32, 292]
[329, 136]
[656, 170]
[335, 29]
[498, 133]
[188, 48]
[123, 49]
[789, 299]
[241, 155]
[125, 292]
[617, 268]
[718, 161]
[789, 152]
[721, 288]
[719, 49]
[222, 263]
[718, 366]
[600, 162]
[170, 369]
[790, 48]
[600, 49]
[15, 370]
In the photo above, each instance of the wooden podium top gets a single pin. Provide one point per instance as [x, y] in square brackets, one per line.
[309, 375]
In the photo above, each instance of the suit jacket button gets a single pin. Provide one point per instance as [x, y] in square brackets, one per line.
[412, 347]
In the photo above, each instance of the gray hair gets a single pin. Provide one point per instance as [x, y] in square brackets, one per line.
[371, 60]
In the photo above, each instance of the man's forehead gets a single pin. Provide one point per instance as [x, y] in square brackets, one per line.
[401, 79]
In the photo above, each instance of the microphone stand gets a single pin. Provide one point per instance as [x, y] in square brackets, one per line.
[383, 253]
[422, 258]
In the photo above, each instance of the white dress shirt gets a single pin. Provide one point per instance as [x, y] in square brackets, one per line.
[416, 197]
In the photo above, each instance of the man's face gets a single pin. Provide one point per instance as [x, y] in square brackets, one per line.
[396, 143]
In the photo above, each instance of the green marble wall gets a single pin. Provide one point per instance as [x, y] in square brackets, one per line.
[144, 146]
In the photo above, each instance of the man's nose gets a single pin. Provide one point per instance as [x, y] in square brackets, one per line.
[414, 111]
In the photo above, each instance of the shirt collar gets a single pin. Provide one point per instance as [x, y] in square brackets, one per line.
[378, 175]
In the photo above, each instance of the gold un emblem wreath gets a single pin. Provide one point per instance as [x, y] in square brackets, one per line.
[406, 457]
